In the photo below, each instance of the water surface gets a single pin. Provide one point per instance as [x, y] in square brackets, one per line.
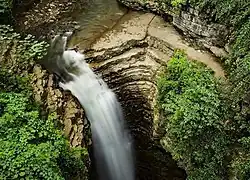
[98, 17]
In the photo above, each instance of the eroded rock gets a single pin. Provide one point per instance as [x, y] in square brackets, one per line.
[70, 113]
[133, 27]
[130, 58]
[196, 25]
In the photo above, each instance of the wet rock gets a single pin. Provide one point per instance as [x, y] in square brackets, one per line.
[197, 26]
[165, 32]
[194, 24]
[52, 99]
[133, 29]
[219, 52]
[43, 17]
[129, 58]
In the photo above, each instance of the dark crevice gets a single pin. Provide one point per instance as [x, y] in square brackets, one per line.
[152, 161]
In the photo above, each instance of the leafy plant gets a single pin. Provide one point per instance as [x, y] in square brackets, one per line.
[31, 147]
[19, 53]
[5, 10]
[176, 3]
[190, 101]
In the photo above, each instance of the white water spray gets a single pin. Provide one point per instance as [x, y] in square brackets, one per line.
[112, 145]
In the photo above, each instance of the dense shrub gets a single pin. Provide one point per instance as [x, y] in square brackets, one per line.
[231, 12]
[190, 101]
[18, 54]
[31, 147]
[234, 14]
[13, 83]
[5, 5]
[5, 11]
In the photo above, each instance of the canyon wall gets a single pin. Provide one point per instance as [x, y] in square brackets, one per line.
[198, 27]
[129, 58]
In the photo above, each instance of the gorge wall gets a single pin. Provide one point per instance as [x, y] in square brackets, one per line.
[198, 27]
[129, 56]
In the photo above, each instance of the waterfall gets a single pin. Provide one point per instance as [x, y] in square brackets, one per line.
[112, 145]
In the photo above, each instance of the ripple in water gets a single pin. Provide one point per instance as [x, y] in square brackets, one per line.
[112, 144]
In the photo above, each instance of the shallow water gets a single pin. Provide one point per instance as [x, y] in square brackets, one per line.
[98, 17]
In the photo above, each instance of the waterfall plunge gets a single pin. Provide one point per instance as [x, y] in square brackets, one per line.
[112, 145]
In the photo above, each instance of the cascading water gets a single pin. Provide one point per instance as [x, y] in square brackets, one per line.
[112, 145]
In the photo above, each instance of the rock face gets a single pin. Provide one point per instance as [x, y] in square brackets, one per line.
[42, 19]
[53, 99]
[196, 25]
[129, 58]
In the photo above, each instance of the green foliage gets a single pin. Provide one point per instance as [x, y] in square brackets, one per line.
[5, 5]
[176, 3]
[237, 10]
[17, 58]
[238, 63]
[190, 101]
[241, 161]
[19, 53]
[14, 83]
[31, 147]
[5, 10]
[235, 14]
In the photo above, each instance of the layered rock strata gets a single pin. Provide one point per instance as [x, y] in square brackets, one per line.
[194, 24]
[70, 114]
[129, 58]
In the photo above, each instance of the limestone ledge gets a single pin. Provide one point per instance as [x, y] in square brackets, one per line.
[130, 60]
[196, 26]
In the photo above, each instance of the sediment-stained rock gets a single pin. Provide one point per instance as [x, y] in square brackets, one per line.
[53, 99]
[129, 58]
[46, 18]
[196, 25]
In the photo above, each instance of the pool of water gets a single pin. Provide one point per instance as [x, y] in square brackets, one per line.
[98, 17]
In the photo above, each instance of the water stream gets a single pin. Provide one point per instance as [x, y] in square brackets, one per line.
[99, 16]
[112, 145]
